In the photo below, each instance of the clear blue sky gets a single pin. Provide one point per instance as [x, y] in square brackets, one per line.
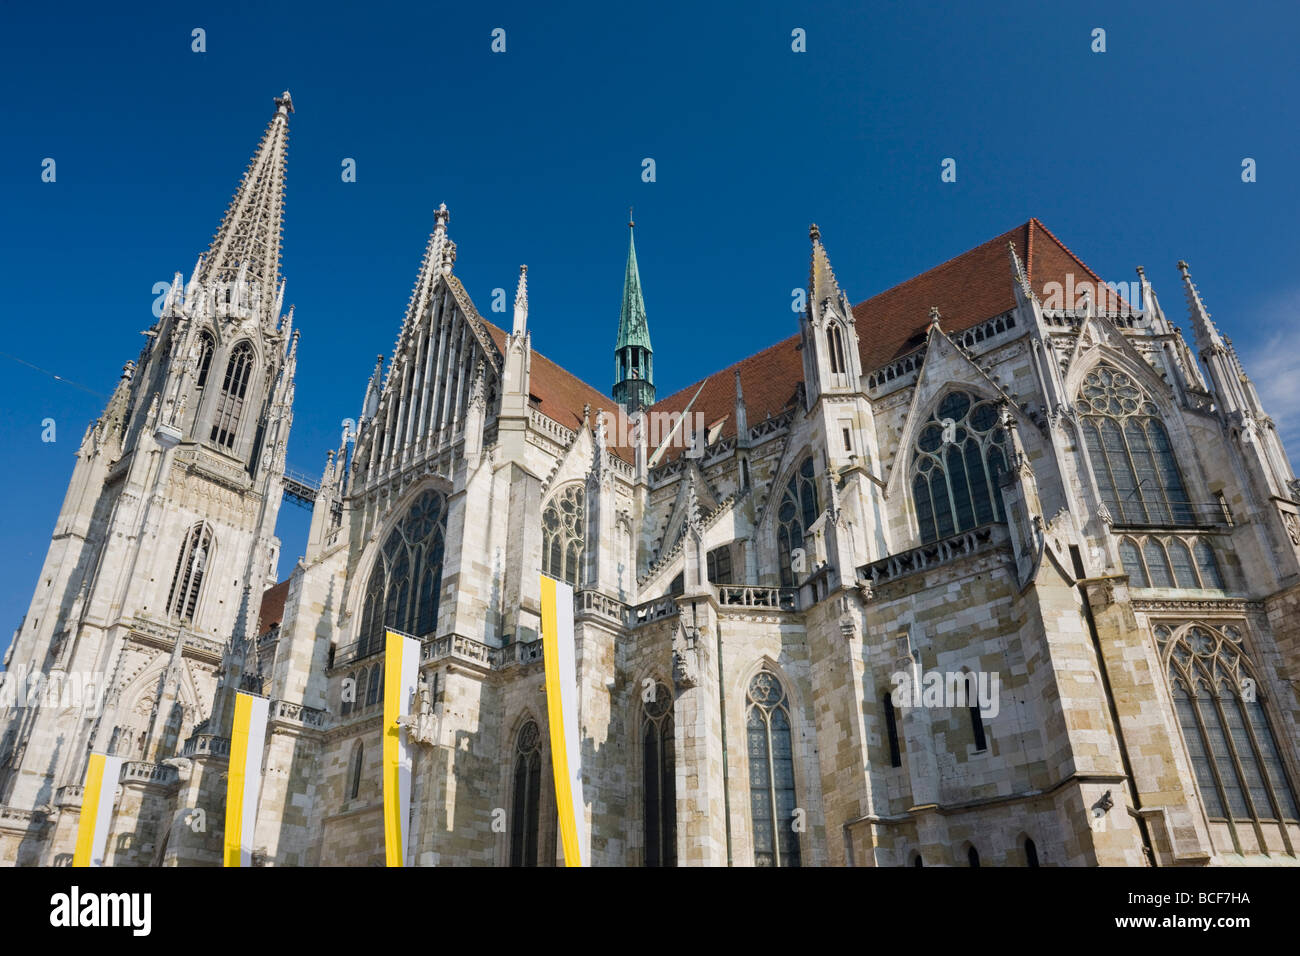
[1132, 156]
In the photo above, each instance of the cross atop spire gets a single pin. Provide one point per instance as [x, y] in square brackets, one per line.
[248, 239]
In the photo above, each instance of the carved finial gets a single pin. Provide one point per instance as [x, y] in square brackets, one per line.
[440, 217]
[284, 103]
[814, 233]
[934, 317]
[586, 415]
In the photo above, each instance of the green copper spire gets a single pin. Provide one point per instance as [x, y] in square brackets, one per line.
[633, 355]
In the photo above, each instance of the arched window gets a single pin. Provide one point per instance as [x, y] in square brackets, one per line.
[660, 795]
[917, 861]
[403, 590]
[1132, 558]
[191, 563]
[956, 465]
[718, 565]
[1130, 452]
[1154, 562]
[835, 339]
[376, 685]
[771, 772]
[358, 757]
[230, 404]
[1234, 753]
[564, 522]
[1031, 853]
[527, 786]
[973, 857]
[799, 508]
[203, 361]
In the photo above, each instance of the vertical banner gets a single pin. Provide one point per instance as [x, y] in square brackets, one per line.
[401, 670]
[560, 656]
[96, 809]
[244, 779]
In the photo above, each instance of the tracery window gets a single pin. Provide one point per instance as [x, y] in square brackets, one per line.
[191, 563]
[1167, 562]
[660, 793]
[403, 590]
[959, 456]
[1031, 853]
[230, 404]
[527, 786]
[799, 508]
[564, 522]
[771, 772]
[1130, 452]
[1220, 708]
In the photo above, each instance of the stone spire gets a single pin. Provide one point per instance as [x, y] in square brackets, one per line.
[633, 354]
[247, 244]
[1206, 335]
[521, 303]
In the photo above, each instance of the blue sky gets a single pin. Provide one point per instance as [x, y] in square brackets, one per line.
[1132, 156]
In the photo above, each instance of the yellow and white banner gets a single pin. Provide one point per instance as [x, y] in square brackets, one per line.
[401, 671]
[96, 809]
[560, 656]
[244, 779]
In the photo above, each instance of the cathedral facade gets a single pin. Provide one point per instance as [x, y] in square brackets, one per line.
[969, 573]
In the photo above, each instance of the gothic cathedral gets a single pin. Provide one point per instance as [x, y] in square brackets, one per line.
[969, 573]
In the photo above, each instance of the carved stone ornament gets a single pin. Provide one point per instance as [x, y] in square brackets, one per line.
[686, 659]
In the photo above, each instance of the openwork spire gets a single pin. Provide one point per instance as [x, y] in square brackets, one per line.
[247, 244]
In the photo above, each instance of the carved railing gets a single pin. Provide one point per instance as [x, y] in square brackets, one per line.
[770, 426]
[1179, 514]
[454, 645]
[935, 554]
[655, 610]
[147, 772]
[298, 714]
[978, 334]
[206, 745]
[517, 652]
[907, 364]
[781, 599]
[601, 605]
[16, 815]
[550, 427]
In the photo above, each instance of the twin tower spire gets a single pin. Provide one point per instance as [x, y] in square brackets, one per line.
[247, 246]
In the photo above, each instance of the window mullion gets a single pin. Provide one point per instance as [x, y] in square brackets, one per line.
[771, 787]
[1207, 744]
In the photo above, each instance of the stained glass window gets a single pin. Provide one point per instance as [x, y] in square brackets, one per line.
[956, 464]
[771, 773]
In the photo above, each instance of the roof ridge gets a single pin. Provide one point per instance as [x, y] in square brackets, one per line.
[1068, 251]
[947, 262]
[727, 368]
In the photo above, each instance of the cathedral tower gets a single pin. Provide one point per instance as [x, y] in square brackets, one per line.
[168, 523]
[634, 367]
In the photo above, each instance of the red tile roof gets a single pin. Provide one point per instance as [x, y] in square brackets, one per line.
[561, 395]
[967, 290]
[272, 611]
